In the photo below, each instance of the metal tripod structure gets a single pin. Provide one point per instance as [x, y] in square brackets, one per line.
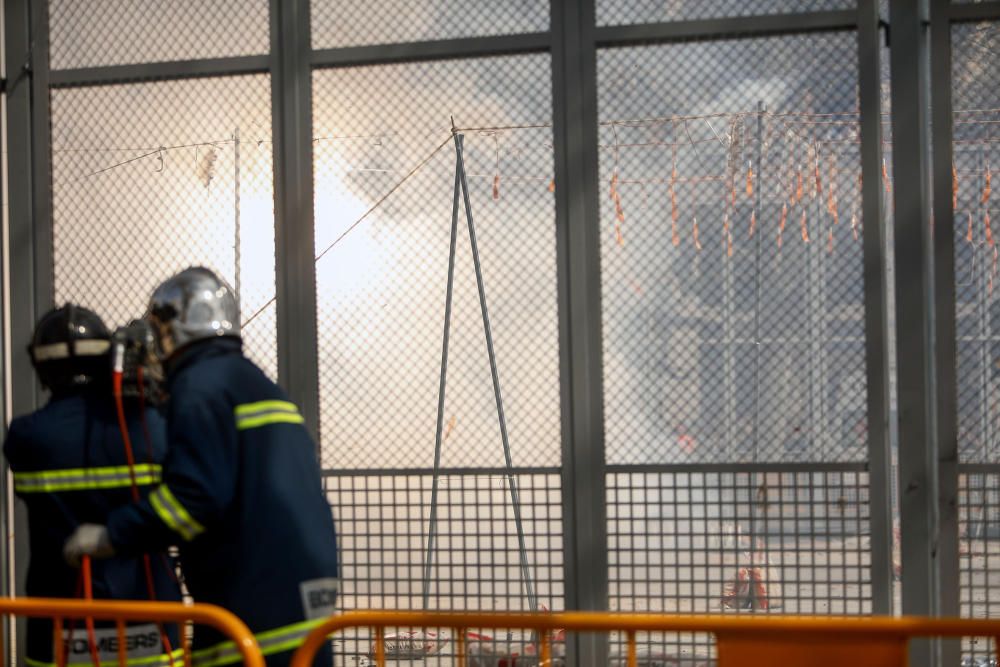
[462, 188]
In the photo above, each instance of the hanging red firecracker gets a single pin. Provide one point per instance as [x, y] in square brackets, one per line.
[729, 244]
[819, 183]
[614, 185]
[968, 232]
[749, 179]
[618, 235]
[675, 236]
[829, 241]
[989, 232]
[694, 233]
[987, 186]
[954, 187]
[781, 224]
[552, 185]
[805, 227]
[885, 178]
[496, 187]
[753, 222]
[798, 186]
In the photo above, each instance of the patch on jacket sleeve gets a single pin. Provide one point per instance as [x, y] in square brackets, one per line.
[319, 597]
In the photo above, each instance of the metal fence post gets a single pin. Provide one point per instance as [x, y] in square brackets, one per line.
[945, 350]
[295, 269]
[574, 89]
[30, 227]
[915, 319]
[877, 331]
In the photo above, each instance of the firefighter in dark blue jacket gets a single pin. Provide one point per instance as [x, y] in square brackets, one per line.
[241, 492]
[69, 465]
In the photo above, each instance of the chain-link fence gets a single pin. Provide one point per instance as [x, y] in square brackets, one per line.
[732, 323]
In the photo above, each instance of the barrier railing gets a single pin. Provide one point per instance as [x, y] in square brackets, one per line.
[122, 612]
[747, 642]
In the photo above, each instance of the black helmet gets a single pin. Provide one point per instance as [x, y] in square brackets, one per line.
[70, 348]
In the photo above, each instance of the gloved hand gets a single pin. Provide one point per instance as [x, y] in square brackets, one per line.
[89, 539]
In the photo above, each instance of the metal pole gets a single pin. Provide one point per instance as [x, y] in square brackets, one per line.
[236, 217]
[876, 314]
[945, 351]
[758, 267]
[581, 379]
[915, 319]
[428, 561]
[511, 482]
[294, 241]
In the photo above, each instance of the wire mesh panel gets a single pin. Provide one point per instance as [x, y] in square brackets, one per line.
[728, 539]
[618, 12]
[150, 178]
[977, 310]
[383, 521]
[339, 23]
[91, 33]
[731, 253]
[385, 176]
[979, 553]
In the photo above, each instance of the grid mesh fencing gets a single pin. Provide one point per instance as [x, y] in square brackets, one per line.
[979, 555]
[623, 12]
[109, 32]
[339, 23]
[761, 539]
[731, 252]
[385, 173]
[383, 521]
[150, 178]
[976, 109]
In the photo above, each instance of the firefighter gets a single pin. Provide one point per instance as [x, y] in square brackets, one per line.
[241, 492]
[69, 465]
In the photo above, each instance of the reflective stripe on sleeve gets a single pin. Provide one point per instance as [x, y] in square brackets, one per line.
[262, 413]
[86, 479]
[163, 660]
[169, 509]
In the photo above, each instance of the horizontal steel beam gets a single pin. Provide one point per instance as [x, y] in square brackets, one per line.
[178, 69]
[735, 26]
[980, 11]
[859, 466]
[469, 47]
[444, 472]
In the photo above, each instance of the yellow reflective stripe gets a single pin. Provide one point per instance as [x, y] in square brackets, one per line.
[82, 479]
[265, 406]
[161, 660]
[262, 413]
[263, 420]
[270, 642]
[169, 509]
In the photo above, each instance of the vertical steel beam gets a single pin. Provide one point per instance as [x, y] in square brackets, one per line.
[915, 324]
[295, 268]
[30, 224]
[574, 89]
[945, 350]
[877, 332]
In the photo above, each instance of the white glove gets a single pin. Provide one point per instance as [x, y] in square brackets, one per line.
[89, 539]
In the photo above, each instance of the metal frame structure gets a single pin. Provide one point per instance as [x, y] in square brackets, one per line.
[924, 281]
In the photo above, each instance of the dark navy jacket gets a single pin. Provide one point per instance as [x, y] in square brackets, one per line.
[69, 466]
[242, 497]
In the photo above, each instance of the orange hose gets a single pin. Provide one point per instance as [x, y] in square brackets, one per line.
[130, 459]
[88, 594]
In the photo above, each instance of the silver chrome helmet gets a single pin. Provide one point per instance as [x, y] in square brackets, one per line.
[193, 305]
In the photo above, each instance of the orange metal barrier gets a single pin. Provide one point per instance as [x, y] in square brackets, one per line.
[747, 642]
[121, 612]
